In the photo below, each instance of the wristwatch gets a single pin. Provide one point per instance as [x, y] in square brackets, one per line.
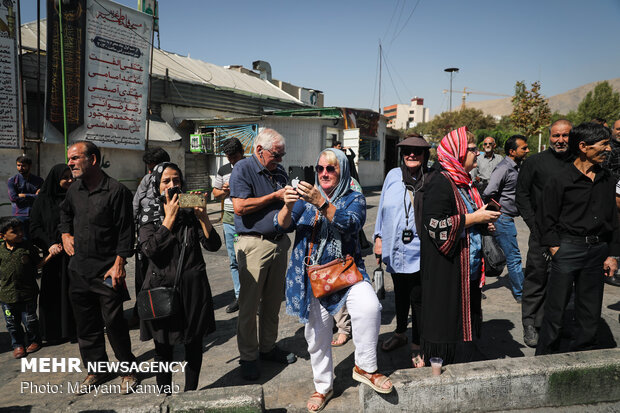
[324, 206]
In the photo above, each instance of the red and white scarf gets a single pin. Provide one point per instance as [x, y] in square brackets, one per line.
[451, 152]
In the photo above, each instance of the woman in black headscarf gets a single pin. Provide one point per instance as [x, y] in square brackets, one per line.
[163, 226]
[55, 313]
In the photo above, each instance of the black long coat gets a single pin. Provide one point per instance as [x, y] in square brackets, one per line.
[163, 250]
[441, 273]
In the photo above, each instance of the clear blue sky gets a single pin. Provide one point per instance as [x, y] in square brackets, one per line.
[332, 45]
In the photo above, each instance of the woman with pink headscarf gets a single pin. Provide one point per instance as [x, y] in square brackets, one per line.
[452, 267]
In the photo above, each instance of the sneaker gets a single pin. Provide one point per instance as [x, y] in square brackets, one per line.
[33, 347]
[278, 356]
[19, 352]
[233, 307]
[129, 383]
[249, 369]
[530, 336]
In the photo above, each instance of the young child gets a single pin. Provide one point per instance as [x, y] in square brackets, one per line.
[18, 286]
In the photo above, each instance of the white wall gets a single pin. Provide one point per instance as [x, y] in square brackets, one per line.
[371, 172]
[304, 138]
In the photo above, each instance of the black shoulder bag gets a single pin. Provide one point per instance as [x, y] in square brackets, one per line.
[162, 302]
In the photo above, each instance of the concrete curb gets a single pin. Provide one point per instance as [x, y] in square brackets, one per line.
[225, 399]
[529, 382]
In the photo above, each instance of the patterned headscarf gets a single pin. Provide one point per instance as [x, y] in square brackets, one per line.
[345, 175]
[451, 153]
[327, 232]
[154, 212]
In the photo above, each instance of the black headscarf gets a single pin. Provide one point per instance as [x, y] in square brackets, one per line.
[154, 212]
[416, 183]
[47, 206]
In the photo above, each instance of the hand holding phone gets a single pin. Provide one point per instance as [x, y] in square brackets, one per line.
[493, 205]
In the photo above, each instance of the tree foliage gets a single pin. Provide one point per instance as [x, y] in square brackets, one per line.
[603, 102]
[443, 123]
[530, 110]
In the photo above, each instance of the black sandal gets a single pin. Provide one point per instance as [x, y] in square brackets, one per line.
[394, 342]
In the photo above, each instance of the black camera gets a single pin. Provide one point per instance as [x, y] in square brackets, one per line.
[407, 236]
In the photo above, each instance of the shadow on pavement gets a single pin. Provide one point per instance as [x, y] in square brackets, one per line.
[497, 340]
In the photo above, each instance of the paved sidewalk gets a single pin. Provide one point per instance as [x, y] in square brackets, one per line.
[285, 388]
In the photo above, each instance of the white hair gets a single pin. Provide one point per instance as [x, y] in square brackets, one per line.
[267, 138]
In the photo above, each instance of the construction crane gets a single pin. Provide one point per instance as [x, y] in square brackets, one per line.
[466, 92]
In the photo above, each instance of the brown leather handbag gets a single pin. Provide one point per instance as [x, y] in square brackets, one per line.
[334, 276]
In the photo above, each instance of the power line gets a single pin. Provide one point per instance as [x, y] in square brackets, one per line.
[406, 22]
[374, 91]
[389, 26]
[392, 80]
[397, 74]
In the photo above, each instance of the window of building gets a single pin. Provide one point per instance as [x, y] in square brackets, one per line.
[331, 135]
[370, 149]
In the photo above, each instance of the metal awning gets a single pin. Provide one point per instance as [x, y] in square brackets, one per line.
[162, 132]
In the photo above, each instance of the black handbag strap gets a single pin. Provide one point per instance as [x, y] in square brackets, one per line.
[181, 259]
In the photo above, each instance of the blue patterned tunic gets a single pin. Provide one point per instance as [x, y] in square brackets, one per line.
[348, 220]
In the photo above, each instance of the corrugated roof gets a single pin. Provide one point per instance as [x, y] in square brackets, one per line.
[183, 68]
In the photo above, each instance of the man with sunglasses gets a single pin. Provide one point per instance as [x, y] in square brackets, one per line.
[533, 177]
[257, 192]
[487, 161]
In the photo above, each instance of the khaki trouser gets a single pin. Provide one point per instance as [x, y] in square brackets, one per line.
[262, 269]
[343, 321]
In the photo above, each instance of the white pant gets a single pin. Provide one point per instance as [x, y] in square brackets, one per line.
[365, 311]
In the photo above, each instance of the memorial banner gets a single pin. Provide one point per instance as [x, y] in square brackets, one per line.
[118, 42]
[73, 38]
[10, 125]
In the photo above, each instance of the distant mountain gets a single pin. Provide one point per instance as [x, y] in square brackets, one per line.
[563, 103]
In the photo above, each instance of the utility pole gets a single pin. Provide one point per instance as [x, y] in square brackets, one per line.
[380, 64]
[451, 70]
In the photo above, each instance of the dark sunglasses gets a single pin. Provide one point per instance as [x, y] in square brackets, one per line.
[276, 154]
[329, 168]
[415, 151]
[474, 150]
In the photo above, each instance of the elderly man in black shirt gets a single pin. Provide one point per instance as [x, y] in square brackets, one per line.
[97, 229]
[578, 222]
[533, 175]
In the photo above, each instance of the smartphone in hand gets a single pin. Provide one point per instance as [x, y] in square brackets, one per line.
[493, 205]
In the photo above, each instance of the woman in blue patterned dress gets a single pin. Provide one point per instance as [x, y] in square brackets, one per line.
[341, 214]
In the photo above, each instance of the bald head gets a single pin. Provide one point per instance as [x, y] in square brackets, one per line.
[488, 145]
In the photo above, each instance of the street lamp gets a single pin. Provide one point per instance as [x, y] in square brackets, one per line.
[451, 70]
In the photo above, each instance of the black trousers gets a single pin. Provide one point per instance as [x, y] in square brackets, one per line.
[408, 294]
[96, 305]
[141, 266]
[193, 356]
[534, 284]
[582, 265]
